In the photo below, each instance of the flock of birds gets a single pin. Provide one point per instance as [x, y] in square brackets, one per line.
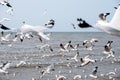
[112, 27]
[64, 50]
[28, 31]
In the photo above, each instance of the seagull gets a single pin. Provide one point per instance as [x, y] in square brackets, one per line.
[75, 57]
[94, 73]
[82, 23]
[89, 44]
[4, 27]
[4, 19]
[50, 23]
[74, 48]
[5, 67]
[6, 3]
[45, 46]
[65, 47]
[108, 49]
[112, 27]
[47, 70]
[10, 11]
[20, 36]
[36, 30]
[86, 60]
[6, 37]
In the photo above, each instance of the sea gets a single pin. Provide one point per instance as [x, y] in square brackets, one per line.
[30, 62]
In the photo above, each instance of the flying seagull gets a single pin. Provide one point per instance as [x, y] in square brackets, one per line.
[4, 27]
[4, 2]
[86, 60]
[50, 23]
[112, 27]
[4, 19]
[4, 67]
[82, 23]
[94, 73]
[36, 30]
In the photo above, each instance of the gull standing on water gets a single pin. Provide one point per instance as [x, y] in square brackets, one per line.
[94, 73]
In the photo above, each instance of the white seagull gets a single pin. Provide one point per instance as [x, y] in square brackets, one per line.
[89, 44]
[36, 30]
[108, 49]
[45, 46]
[86, 60]
[6, 37]
[65, 47]
[5, 67]
[75, 57]
[112, 27]
[5, 2]
[4, 19]
[94, 73]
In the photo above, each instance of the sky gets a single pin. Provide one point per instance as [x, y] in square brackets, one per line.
[64, 12]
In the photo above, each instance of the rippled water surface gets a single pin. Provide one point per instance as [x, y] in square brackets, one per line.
[61, 63]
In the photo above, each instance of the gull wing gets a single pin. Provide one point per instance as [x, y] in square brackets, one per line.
[7, 36]
[115, 22]
[6, 66]
[28, 28]
[43, 35]
[4, 27]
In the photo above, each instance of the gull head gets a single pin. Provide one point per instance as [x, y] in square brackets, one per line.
[50, 23]
[103, 16]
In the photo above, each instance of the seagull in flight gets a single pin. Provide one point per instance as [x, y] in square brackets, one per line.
[4, 27]
[86, 60]
[36, 30]
[82, 23]
[89, 44]
[4, 19]
[50, 23]
[5, 37]
[4, 67]
[94, 73]
[65, 47]
[6, 3]
[112, 27]
[108, 49]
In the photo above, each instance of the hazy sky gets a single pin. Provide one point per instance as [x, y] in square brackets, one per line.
[38, 12]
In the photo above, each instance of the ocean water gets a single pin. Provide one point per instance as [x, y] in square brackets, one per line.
[38, 60]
